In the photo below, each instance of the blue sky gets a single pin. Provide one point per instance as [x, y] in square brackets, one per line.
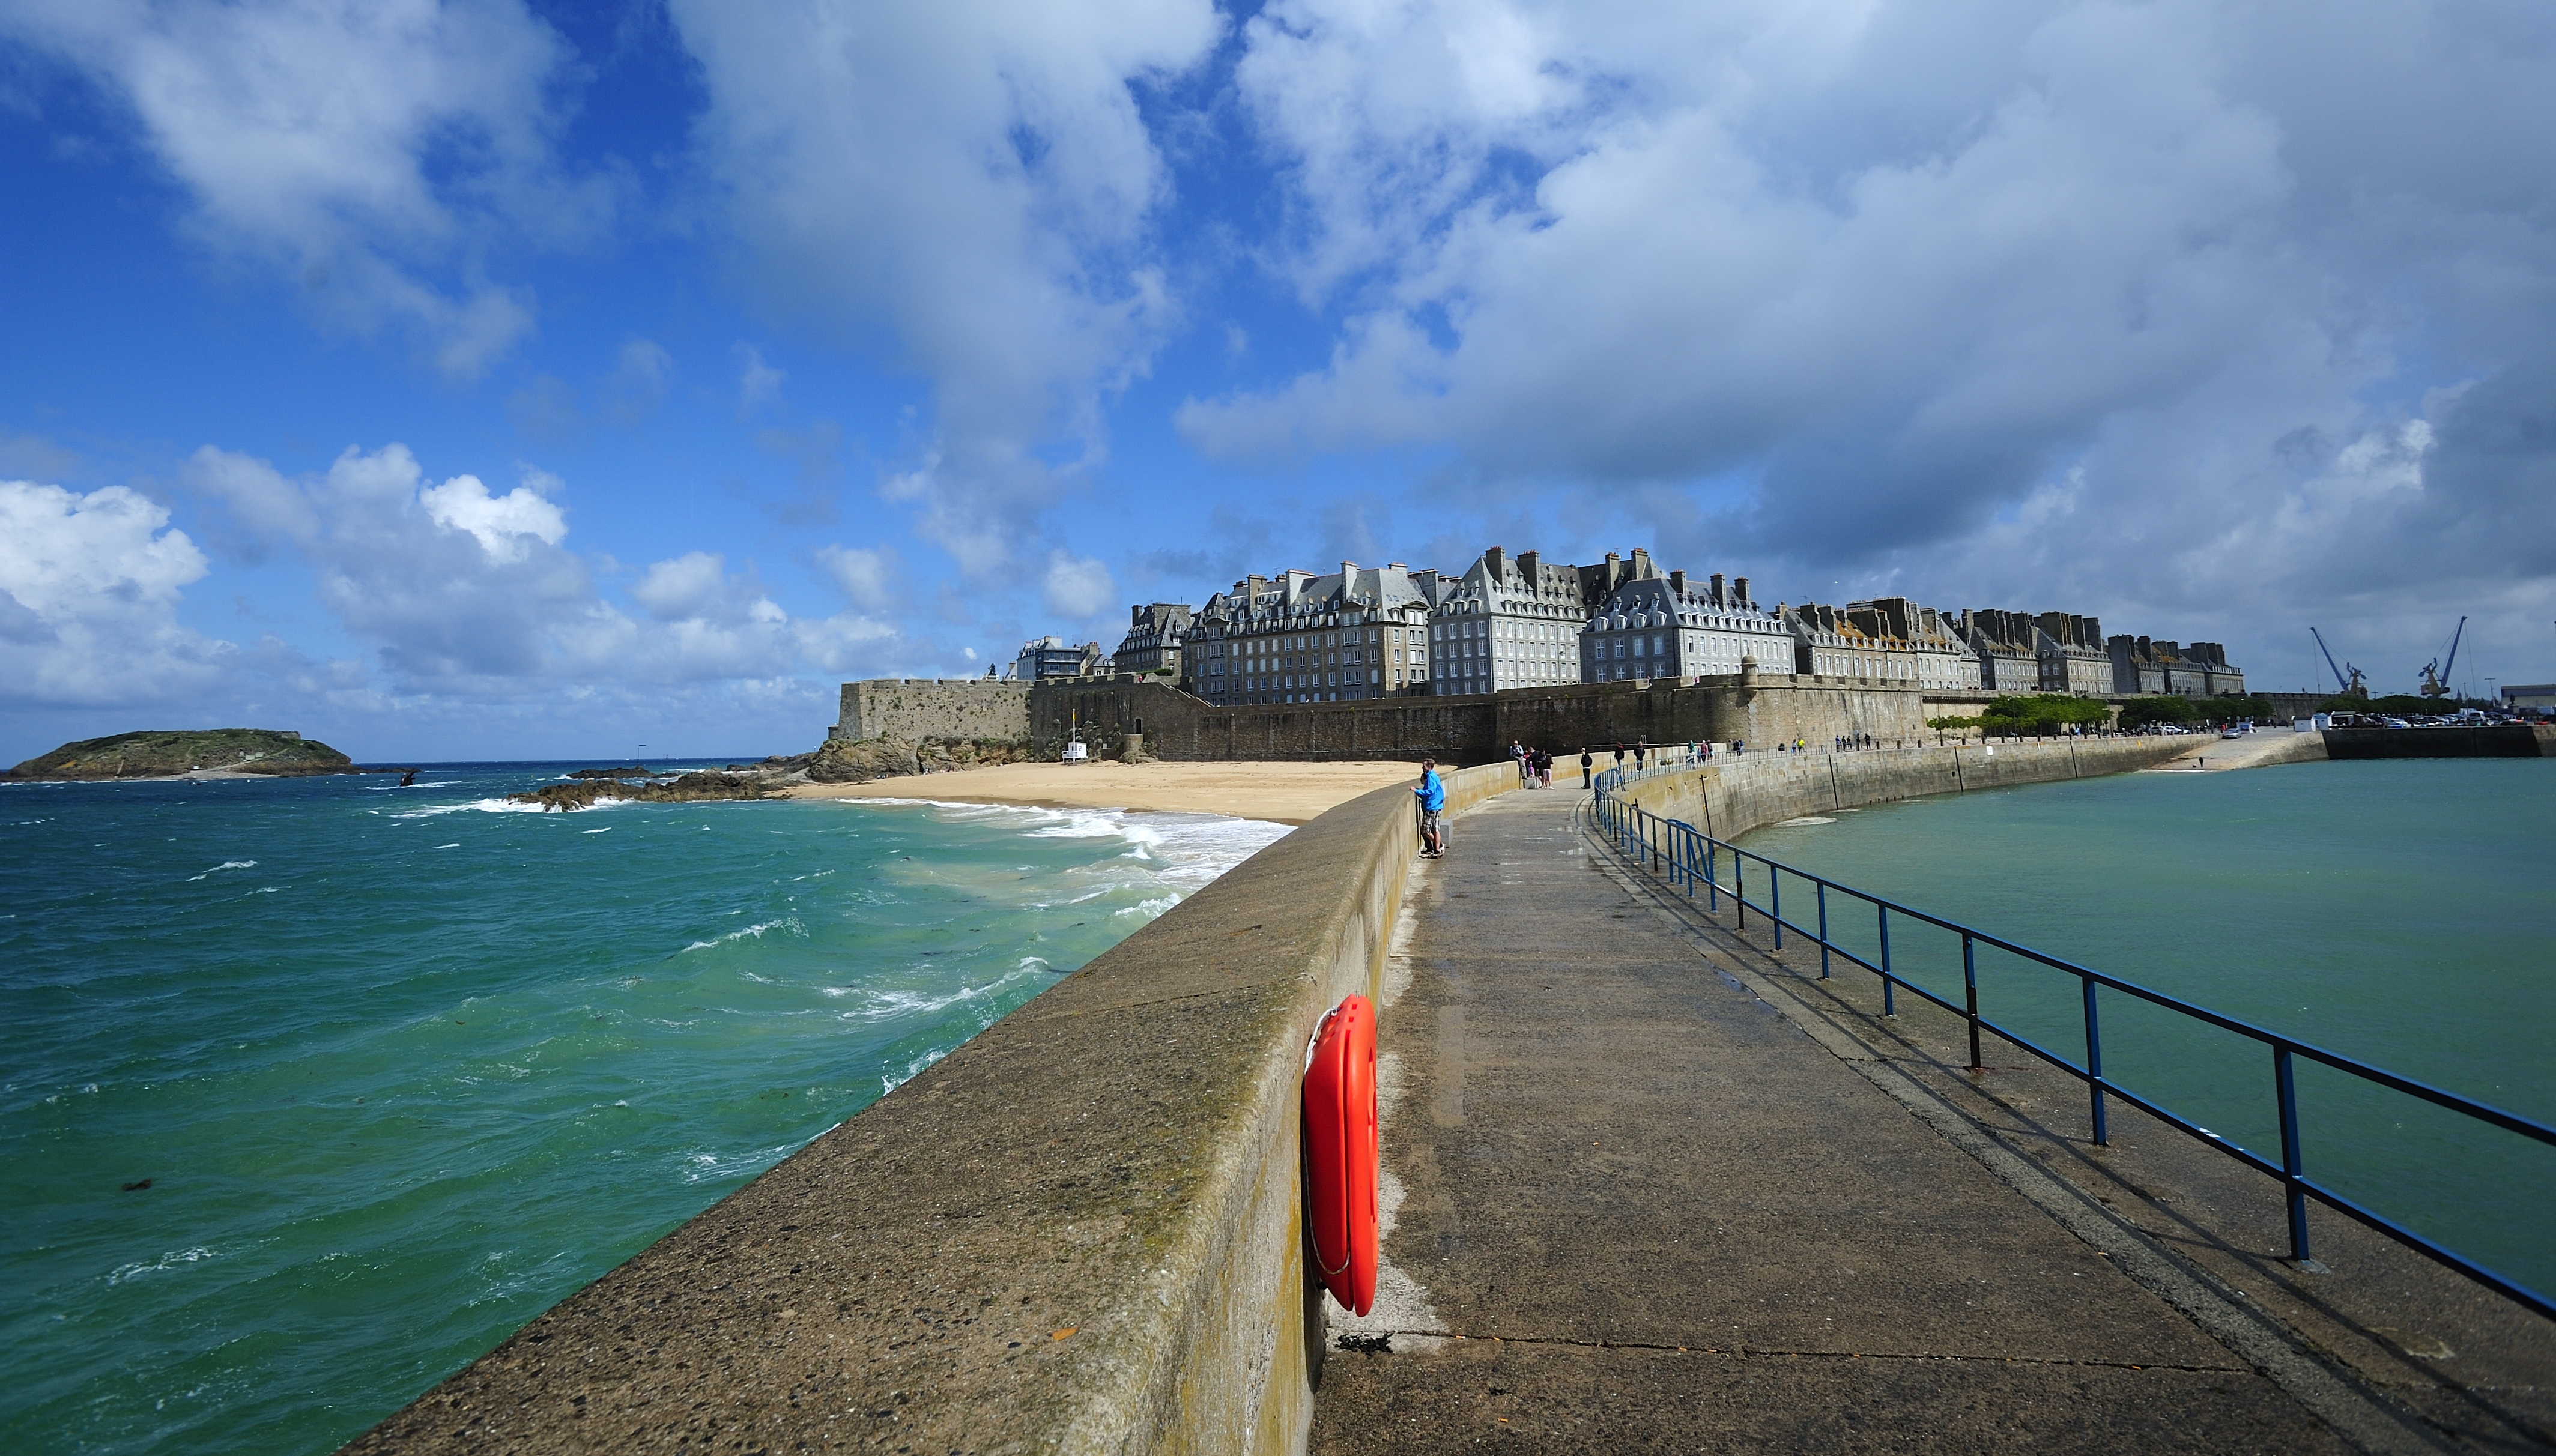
[497, 378]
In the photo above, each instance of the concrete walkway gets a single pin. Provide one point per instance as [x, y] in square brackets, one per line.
[1641, 1211]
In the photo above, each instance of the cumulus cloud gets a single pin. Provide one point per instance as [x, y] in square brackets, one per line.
[868, 576]
[1867, 291]
[370, 152]
[463, 593]
[1078, 587]
[506, 526]
[89, 588]
[972, 183]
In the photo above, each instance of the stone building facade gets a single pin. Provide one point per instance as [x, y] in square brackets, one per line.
[2072, 655]
[2141, 665]
[1155, 635]
[1514, 621]
[1053, 657]
[2051, 652]
[1299, 637]
[1673, 625]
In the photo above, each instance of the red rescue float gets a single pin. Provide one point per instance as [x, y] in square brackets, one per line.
[1340, 1164]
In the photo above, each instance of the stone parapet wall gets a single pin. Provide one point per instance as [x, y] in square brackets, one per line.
[1730, 796]
[1081, 1231]
[915, 708]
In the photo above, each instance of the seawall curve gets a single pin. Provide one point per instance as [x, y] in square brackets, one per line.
[1081, 1231]
[1729, 797]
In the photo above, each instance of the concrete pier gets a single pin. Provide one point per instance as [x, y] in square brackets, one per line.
[1641, 1210]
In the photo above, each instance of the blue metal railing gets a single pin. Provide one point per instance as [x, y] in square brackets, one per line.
[1687, 859]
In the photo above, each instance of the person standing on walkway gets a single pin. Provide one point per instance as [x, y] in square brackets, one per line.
[1518, 761]
[1619, 758]
[1587, 768]
[1432, 797]
[1543, 767]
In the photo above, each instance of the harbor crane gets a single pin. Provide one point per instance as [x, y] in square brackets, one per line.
[2347, 675]
[2437, 684]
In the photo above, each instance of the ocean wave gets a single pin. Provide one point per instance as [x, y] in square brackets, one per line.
[178, 1259]
[224, 864]
[483, 805]
[1804, 822]
[787, 922]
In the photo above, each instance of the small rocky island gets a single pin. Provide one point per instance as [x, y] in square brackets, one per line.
[177, 754]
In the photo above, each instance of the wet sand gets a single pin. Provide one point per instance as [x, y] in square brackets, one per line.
[1281, 792]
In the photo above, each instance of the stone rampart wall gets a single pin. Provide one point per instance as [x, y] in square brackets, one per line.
[914, 709]
[1730, 796]
[1474, 729]
[1081, 1231]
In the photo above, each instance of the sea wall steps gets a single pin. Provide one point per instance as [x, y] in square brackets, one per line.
[1080, 1231]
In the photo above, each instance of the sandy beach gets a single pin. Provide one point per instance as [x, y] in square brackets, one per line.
[1285, 794]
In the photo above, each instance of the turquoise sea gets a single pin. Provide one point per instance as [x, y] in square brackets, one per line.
[313, 1090]
[2402, 912]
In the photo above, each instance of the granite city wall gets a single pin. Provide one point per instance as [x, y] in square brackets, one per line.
[1476, 729]
[917, 708]
[1082, 1231]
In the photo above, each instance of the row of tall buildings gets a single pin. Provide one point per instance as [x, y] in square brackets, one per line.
[1510, 622]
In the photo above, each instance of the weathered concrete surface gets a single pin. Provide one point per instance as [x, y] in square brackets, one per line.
[1733, 795]
[1080, 1231]
[1643, 1212]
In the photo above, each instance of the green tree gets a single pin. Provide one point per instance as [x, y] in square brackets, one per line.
[2042, 714]
[2146, 711]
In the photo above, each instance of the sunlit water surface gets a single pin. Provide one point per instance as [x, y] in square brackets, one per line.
[402, 1068]
[2400, 912]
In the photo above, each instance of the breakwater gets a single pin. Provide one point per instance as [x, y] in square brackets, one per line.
[1081, 1229]
[1729, 797]
[2500, 741]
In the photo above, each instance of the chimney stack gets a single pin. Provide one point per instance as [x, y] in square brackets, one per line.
[1527, 563]
[1642, 563]
[1677, 583]
[1739, 591]
[1498, 560]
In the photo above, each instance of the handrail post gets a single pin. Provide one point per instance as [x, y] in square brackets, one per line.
[2293, 1167]
[1970, 994]
[1889, 1005]
[1824, 927]
[1712, 876]
[1739, 885]
[1775, 900]
[2094, 1062]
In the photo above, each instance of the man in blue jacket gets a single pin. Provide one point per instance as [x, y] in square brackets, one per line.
[1432, 795]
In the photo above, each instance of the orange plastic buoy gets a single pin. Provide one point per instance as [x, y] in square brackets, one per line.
[1341, 1151]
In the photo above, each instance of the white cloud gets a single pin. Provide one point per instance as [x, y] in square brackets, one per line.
[973, 181]
[868, 576]
[370, 151]
[1078, 587]
[89, 588]
[474, 596]
[757, 383]
[504, 526]
[674, 589]
[2072, 300]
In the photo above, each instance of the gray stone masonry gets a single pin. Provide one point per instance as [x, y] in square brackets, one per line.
[917, 708]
